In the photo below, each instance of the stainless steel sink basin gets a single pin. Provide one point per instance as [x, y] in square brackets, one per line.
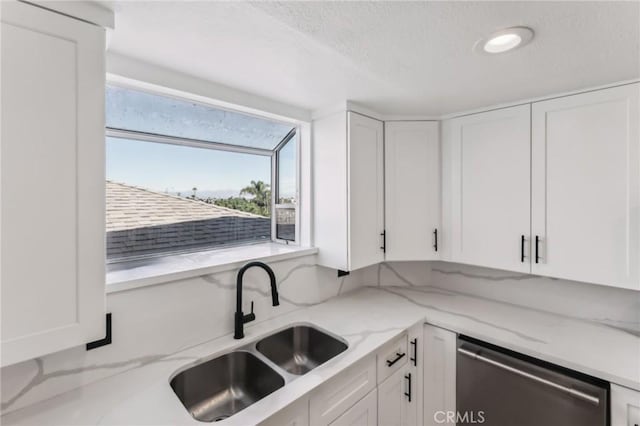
[219, 388]
[300, 349]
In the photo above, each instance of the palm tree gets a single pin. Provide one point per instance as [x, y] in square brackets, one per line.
[261, 195]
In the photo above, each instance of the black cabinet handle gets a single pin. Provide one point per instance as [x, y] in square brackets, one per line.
[414, 343]
[408, 394]
[398, 358]
[383, 234]
[522, 249]
[537, 248]
[435, 239]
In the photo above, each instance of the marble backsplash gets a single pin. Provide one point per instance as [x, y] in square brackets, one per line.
[614, 307]
[150, 323]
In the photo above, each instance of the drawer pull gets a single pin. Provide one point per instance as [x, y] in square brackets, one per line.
[398, 358]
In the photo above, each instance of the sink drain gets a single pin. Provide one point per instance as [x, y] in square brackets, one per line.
[221, 417]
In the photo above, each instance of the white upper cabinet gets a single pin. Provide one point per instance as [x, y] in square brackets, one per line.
[487, 180]
[348, 190]
[52, 184]
[586, 187]
[412, 190]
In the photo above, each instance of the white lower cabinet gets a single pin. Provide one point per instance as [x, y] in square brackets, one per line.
[439, 380]
[336, 396]
[364, 413]
[400, 392]
[393, 399]
[416, 369]
[625, 406]
[384, 389]
[295, 414]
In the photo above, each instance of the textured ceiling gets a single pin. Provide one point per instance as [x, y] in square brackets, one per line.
[393, 57]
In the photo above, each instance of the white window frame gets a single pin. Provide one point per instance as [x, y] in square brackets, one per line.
[220, 146]
[276, 188]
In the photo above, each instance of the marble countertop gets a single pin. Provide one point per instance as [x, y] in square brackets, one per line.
[366, 319]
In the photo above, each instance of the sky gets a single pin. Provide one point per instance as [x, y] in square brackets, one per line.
[175, 168]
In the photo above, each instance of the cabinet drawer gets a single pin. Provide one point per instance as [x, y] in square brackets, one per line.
[625, 406]
[336, 396]
[392, 357]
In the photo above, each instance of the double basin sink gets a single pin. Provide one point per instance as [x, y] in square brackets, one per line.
[218, 388]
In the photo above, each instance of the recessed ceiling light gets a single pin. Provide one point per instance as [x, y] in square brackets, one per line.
[504, 40]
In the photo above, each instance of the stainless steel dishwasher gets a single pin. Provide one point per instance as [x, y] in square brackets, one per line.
[497, 387]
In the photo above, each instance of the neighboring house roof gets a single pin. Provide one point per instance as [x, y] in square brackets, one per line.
[130, 207]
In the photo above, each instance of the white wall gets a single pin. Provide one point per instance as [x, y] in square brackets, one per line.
[152, 322]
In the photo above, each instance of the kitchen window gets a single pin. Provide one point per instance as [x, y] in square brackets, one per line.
[183, 176]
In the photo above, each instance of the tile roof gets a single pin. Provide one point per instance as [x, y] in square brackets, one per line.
[130, 207]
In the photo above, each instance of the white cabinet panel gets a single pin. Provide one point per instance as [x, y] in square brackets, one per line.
[489, 180]
[366, 197]
[395, 408]
[364, 413]
[625, 406]
[296, 414]
[412, 190]
[586, 187]
[52, 167]
[439, 384]
[416, 369]
[392, 402]
[348, 207]
[336, 396]
[330, 205]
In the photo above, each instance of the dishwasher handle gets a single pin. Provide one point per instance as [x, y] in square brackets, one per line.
[573, 392]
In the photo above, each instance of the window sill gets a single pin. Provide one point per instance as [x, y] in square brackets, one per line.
[140, 273]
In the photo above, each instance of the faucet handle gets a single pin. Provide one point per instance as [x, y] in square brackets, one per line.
[249, 317]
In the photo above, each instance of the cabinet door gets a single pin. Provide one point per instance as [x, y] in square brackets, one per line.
[366, 207]
[586, 187]
[296, 414]
[330, 194]
[489, 168]
[363, 413]
[334, 397]
[52, 167]
[412, 189]
[625, 406]
[394, 406]
[439, 374]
